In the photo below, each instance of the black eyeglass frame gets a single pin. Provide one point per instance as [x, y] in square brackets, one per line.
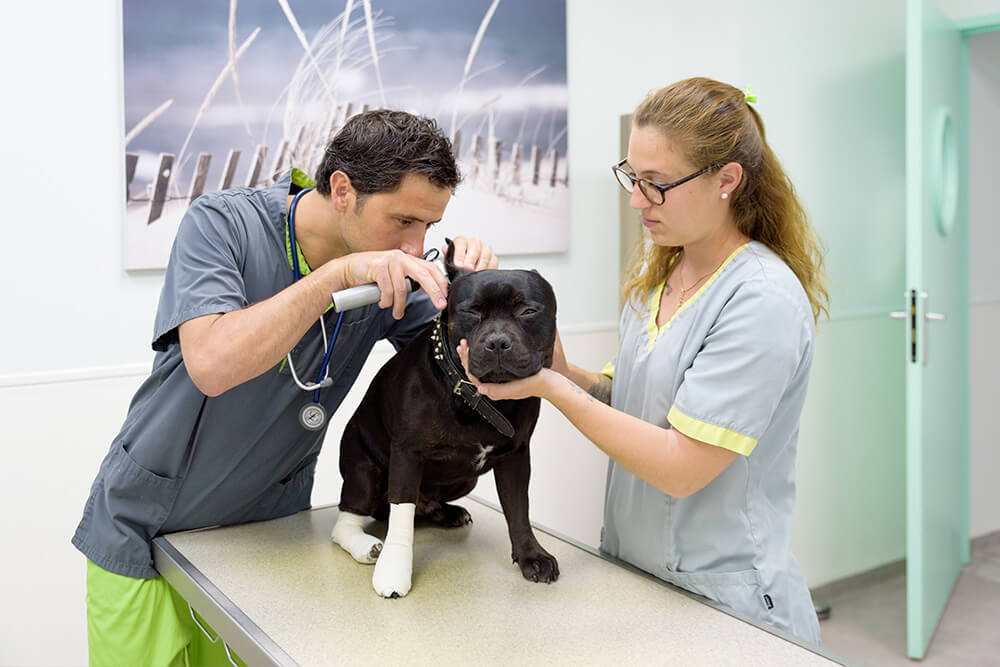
[662, 189]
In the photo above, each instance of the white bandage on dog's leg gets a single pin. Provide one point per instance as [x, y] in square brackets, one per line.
[347, 532]
[394, 569]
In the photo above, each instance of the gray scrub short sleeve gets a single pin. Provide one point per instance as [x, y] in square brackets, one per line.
[204, 272]
[729, 395]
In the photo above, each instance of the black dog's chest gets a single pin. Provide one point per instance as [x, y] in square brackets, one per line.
[457, 457]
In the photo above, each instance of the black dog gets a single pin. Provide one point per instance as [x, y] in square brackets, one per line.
[423, 435]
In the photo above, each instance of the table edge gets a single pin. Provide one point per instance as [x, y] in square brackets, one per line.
[231, 624]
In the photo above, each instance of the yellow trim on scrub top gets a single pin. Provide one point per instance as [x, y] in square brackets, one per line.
[710, 433]
[654, 303]
[300, 179]
[609, 370]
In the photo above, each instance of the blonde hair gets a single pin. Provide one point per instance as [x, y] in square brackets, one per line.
[713, 124]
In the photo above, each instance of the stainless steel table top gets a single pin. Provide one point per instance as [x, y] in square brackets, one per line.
[280, 592]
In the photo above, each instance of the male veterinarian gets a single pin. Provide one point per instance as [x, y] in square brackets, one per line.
[222, 431]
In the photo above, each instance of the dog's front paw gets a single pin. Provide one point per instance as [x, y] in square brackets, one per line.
[363, 547]
[393, 571]
[537, 564]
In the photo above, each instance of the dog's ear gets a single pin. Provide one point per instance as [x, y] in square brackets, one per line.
[451, 270]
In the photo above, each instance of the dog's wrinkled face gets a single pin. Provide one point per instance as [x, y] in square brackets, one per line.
[508, 317]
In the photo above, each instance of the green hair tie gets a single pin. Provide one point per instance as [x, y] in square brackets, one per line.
[748, 97]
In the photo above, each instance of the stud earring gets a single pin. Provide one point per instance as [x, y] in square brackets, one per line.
[725, 195]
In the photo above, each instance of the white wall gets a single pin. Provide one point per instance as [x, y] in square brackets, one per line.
[77, 329]
[961, 10]
[75, 339]
[984, 281]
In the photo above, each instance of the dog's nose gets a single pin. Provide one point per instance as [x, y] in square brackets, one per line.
[497, 342]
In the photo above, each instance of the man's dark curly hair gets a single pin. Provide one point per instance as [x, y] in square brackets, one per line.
[377, 149]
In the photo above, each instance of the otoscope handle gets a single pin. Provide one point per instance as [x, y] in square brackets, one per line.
[362, 295]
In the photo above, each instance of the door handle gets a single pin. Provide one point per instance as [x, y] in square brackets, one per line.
[911, 297]
[909, 316]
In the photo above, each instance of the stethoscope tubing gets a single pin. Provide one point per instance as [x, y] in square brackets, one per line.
[325, 366]
[322, 377]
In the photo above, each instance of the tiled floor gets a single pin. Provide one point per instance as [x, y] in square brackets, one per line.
[868, 627]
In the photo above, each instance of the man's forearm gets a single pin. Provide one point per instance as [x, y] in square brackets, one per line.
[240, 345]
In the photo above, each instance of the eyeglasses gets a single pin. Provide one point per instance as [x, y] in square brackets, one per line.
[653, 192]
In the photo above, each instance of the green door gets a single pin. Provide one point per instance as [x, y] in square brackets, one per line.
[936, 315]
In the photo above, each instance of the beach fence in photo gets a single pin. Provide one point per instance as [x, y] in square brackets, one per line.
[524, 166]
[484, 165]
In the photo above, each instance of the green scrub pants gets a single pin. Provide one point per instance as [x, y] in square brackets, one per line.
[132, 622]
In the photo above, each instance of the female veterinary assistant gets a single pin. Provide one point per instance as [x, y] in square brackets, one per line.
[700, 414]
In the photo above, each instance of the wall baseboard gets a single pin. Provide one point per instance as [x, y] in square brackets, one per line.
[896, 568]
[877, 575]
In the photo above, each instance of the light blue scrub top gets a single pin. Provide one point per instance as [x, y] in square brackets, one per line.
[730, 369]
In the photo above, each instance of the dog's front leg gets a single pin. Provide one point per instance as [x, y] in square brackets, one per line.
[394, 569]
[512, 474]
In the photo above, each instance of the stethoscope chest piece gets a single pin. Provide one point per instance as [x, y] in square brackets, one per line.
[312, 416]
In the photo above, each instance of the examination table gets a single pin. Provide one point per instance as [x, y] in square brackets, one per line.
[281, 593]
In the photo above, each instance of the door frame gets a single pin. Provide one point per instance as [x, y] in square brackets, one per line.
[967, 27]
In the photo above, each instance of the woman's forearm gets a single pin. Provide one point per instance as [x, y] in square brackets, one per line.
[597, 385]
[650, 452]
[663, 457]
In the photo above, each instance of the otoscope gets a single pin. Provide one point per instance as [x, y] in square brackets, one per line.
[362, 295]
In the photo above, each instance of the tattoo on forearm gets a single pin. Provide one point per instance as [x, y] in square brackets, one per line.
[601, 390]
[576, 389]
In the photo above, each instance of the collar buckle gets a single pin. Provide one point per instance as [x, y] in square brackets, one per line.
[458, 387]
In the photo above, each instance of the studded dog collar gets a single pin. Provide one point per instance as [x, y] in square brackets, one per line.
[462, 387]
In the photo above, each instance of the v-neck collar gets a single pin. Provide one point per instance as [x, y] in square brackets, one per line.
[654, 303]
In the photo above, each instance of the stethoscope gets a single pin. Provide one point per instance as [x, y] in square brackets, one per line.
[312, 416]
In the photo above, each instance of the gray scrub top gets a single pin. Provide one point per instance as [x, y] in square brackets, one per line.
[730, 369]
[183, 460]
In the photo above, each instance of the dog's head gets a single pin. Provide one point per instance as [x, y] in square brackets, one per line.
[508, 317]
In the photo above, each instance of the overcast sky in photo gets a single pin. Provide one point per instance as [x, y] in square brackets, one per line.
[176, 50]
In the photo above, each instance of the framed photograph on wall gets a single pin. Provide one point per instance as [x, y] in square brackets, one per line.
[221, 95]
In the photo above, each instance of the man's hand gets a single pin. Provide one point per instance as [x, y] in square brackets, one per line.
[389, 269]
[473, 254]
